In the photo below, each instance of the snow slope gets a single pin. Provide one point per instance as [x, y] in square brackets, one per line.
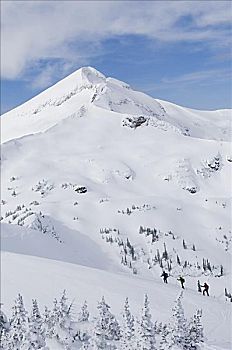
[76, 279]
[88, 162]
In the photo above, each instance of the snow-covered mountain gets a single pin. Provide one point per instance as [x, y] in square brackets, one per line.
[103, 187]
[88, 89]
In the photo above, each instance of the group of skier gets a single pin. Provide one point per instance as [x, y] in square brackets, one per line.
[181, 279]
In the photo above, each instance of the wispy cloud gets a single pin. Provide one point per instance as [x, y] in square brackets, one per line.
[74, 31]
[214, 75]
[183, 81]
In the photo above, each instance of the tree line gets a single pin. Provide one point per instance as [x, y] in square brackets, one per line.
[60, 328]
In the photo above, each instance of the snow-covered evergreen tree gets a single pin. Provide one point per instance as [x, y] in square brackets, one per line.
[63, 321]
[195, 332]
[57, 324]
[48, 323]
[58, 319]
[4, 324]
[128, 328]
[64, 312]
[146, 329]
[51, 318]
[107, 327]
[4, 340]
[4, 328]
[18, 325]
[165, 336]
[36, 333]
[179, 324]
[84, 313]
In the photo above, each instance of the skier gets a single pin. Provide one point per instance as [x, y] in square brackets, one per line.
[165, 276]
[182, 281]
[206, 288]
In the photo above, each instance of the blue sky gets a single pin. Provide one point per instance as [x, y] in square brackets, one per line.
[175, 51]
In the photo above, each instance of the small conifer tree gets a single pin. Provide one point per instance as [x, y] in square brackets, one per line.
[84, 313]
[18, 325]
[146, 330]
[107, 327]
[179, 323]
[195, 332]
[128, 329]
[35, 338]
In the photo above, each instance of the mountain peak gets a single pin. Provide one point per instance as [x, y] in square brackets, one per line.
[92, 75]
[83, 76]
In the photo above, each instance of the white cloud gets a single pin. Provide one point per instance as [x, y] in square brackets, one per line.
[72, 31]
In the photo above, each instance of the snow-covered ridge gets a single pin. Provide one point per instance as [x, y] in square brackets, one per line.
[87, 88]
[84, 78]
[212, 125]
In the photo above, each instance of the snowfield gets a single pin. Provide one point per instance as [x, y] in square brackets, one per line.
[103, 188]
